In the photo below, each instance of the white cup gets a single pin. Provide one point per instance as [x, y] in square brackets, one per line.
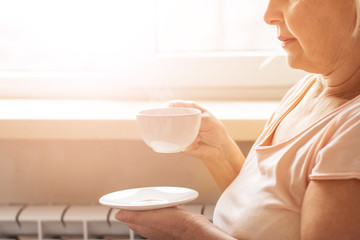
[169, 130]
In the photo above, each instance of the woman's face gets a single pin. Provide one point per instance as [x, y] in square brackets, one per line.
[316, 34]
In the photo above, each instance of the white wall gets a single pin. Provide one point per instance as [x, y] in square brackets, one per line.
[80, 171]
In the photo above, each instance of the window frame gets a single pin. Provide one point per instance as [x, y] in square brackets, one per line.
[204, 76]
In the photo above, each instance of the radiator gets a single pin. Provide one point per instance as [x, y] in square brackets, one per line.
[62, 221]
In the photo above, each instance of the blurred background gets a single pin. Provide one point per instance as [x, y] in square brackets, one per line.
[125, 54]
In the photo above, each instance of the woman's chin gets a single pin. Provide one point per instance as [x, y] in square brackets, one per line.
[297, 62]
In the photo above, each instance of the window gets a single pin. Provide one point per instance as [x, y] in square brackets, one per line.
[139, 49]
[213, 25]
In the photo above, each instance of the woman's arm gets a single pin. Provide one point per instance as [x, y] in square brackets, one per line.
[224, 161]
[171, 223]
[331, 210]
[214, 147]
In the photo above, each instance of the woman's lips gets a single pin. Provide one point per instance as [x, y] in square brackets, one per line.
[285, 41]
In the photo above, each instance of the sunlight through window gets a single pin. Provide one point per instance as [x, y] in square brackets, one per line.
[118, 48]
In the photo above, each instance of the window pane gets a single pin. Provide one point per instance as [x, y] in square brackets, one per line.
[90, 48]
[73, 34]
[94, 34]
[213, 25]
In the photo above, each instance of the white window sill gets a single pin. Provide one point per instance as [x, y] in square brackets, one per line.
[82, 119]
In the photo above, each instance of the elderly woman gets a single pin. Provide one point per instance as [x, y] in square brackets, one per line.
[301, 179]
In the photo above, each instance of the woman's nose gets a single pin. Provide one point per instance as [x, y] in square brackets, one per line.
[273, 13]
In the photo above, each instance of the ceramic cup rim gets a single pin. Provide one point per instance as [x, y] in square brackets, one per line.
[148, 112]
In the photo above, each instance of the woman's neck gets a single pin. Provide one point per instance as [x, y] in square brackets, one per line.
[344, 85]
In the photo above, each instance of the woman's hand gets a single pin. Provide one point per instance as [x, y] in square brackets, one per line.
[170, 223]
[214, 146]
[212, 134]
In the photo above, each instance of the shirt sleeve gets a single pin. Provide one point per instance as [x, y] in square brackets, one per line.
[339, 158]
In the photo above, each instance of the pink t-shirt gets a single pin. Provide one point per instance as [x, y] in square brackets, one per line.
[264, 201]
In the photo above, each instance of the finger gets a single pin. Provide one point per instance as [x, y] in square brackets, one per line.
[194, 145]
[139, 217]
[145, 222]
[131, 217]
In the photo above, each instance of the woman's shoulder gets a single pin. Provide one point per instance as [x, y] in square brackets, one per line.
[338, 152]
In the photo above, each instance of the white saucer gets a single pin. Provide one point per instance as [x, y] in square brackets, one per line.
[148, 198]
